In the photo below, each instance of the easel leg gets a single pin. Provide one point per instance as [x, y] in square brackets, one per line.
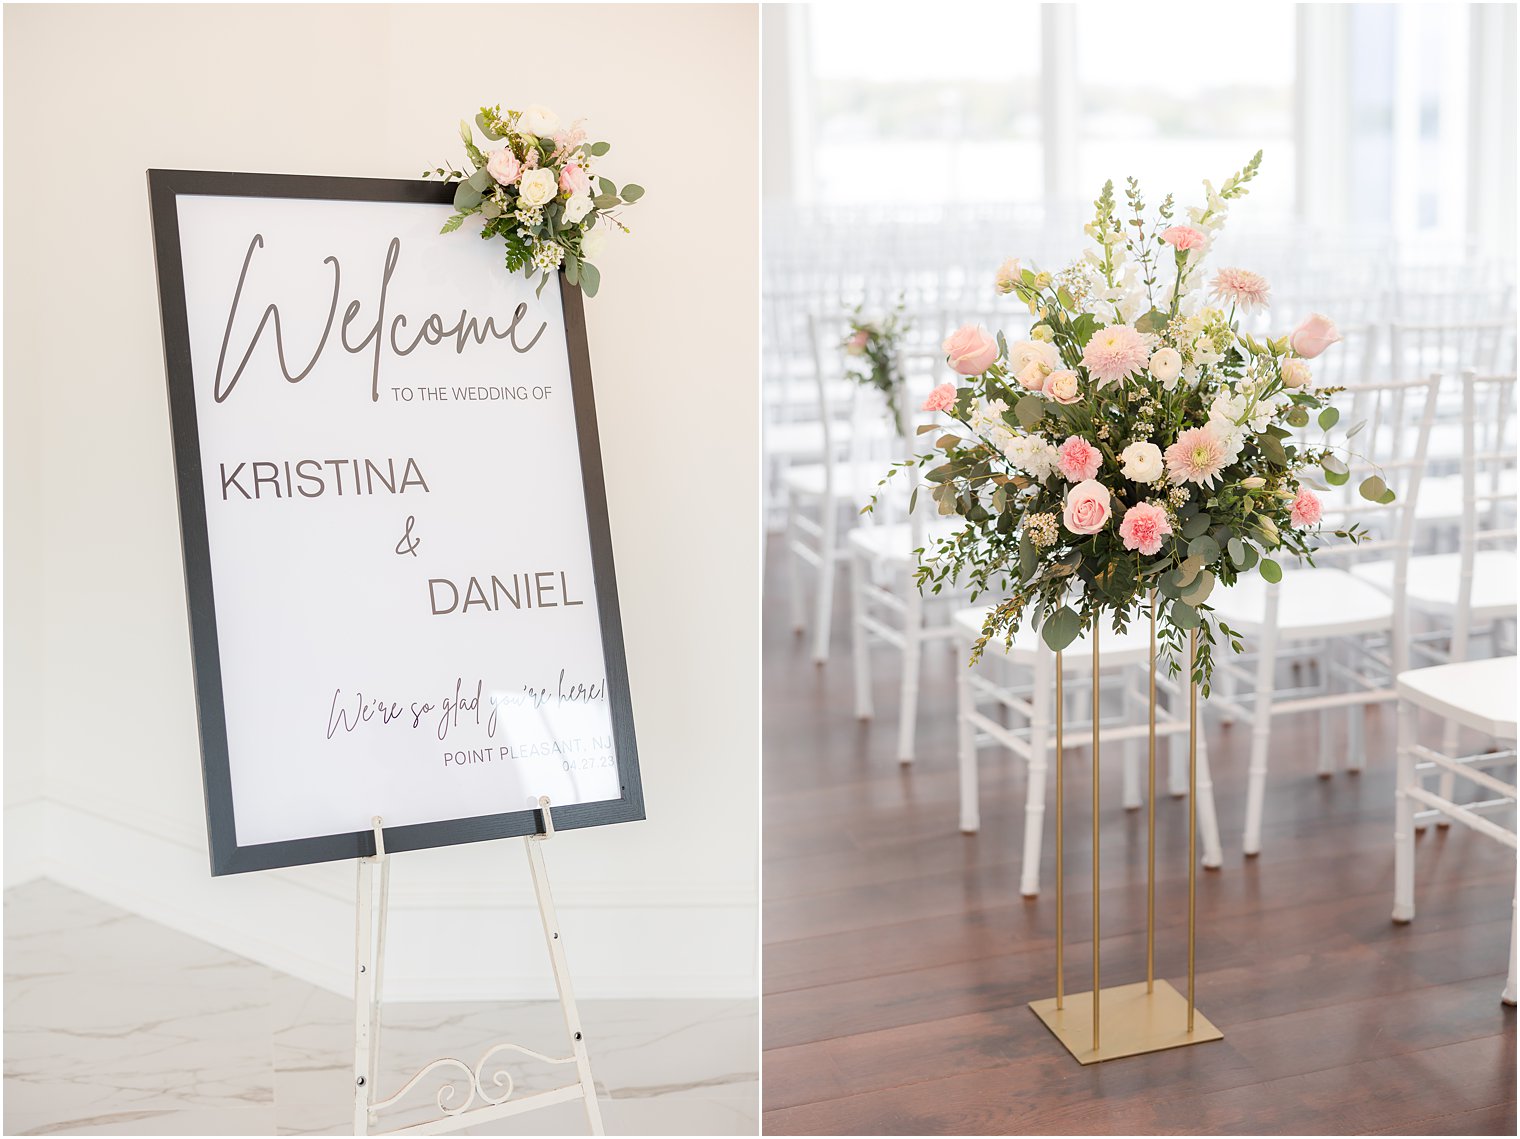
[364, 999]
[556, 945]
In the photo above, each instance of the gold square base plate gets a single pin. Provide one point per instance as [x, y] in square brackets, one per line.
[1134, 1022]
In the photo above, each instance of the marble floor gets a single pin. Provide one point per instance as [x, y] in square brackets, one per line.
[115, 1025]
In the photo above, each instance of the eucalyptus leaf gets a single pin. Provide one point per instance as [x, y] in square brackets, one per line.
[1271, 570]
[1203, 547]
[1329, 418]
[466, 196]
[597, 149]
[485, 127]
[1196, 525]
[1197, 593]
[1030, 411]
[1061, 628]
[1372, 488]
[591, 279]
[1334, 466]
[632, 193]
[1337, 478]
[1298, 417]
[1184, 616]
[1237, 550]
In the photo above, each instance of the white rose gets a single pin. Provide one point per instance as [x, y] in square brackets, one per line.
[1142, 462]
[593, 242]
[537, 187]
[1025, 352]
[538, 120]
[577, 206]
[1166, 364]
[1295, 373]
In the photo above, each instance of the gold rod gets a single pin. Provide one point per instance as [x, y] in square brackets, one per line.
[1060, 841]
[1096, 992]
[1150, 846]
[1192, 822]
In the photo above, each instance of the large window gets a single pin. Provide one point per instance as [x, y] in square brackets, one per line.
[1193, 97]
[949, 113]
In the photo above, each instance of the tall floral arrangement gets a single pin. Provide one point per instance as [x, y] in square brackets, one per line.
[540, 192]
[1138, 441]
[872, 349]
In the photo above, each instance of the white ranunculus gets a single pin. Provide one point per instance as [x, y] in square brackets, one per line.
[593, 242]
[1025, 352]
[1166, 364]
[538, 120]
[577, 206]
[537, 187]
[1142, 462]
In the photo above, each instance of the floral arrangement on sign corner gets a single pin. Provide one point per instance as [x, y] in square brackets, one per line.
[535, 193]
[873, 347]
[1138, 441]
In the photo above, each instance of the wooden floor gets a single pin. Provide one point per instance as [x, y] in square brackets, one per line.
[899, 957]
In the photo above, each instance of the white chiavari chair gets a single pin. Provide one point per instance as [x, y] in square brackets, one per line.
[1480, 697]
[1328, 605]
[1018, 680]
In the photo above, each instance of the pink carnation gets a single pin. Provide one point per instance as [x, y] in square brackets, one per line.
[1183, 237]
[1115, 353]
[1079, 460]
[941, 398]
[1143, 528]
[1306, 510]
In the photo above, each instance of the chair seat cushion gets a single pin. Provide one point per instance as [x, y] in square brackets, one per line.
[1311, 602]
[1434, 579]
[1479, 694]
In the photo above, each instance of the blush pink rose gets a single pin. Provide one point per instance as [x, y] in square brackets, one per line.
[503, 166]
[1306, 509]
[1314, 335]
[971, 350]
[1061, 386]
[1143, 527]
[573, 180]
[941, 398]
[857, 343]
[1183, 237]
[1079, 460]
[1088, 508]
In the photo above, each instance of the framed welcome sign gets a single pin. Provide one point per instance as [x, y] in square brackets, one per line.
[397, 557]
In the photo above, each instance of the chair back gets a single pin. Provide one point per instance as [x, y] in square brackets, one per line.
[1488, 503]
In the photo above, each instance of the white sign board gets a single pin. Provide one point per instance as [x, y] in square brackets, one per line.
[399, 576]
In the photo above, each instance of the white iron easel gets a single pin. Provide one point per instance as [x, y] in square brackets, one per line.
[369, 965]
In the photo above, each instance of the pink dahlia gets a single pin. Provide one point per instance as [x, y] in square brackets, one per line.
[1306, 510]
[1079, 460]
[1197, 457]
[1144, 525]
[1183, 236]
[1114, 353]
[941, 398]
[1243, 288]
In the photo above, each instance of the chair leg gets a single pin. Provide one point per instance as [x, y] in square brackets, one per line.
[1034, 797]
[1509, 987]
[1403, 818]
[1447, 788]
[1327, 717]
[912, 634]
[859, 584]
[1261, 738]
[1132, 715]
[1224, 684]
[971, 819]
[1208, 817]
[793, 565]
[1176, 764]
[828, 560]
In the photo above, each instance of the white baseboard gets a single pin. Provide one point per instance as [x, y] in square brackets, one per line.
[448, 940]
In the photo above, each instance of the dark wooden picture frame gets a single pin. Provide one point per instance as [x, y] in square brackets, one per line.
[227, 855]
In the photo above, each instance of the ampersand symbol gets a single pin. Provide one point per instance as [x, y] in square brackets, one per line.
[408, 544]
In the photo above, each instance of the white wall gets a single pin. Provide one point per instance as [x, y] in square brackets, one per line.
[102, 778]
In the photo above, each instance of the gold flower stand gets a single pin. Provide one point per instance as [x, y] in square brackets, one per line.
[1149, 1015]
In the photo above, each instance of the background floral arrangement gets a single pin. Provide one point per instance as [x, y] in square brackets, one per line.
[536, 193]
[875, 344]
[1138, 440]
